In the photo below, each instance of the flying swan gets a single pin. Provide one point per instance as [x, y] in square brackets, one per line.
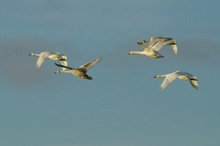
[155, 45]
[169, 78]
[54, 56]
[81, 71]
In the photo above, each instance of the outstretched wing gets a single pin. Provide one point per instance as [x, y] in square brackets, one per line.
[63, 66]
[159, 45]
[194, 83]
[174, 47]
[41, 58]
[192, 79]
[154, 40]
[168, 79]
[87, 66]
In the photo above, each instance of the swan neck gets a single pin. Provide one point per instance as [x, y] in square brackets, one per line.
[34, 54]
[135, 52]
[63, 71]
[160, 76]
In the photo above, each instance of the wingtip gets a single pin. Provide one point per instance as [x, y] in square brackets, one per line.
[197, 88]
[161, 88]
[37, 66]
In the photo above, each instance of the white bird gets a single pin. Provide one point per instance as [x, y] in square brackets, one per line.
[81, 71]
[147, 51]
[169, 78]
[155, 45]
[54, 56]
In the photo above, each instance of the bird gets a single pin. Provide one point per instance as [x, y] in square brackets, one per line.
[47, 54]
[147, 51]
[155, 45]
[169, 78]
[80, 72]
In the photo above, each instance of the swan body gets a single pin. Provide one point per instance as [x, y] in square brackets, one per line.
[80, 72]
[169, 78]
[53, 56]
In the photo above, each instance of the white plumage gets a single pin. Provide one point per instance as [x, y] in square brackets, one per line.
[169, 78]
[155, 45]
[54, 56]
[81, 71]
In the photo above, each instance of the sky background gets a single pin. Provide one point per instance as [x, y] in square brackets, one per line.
[123, 104]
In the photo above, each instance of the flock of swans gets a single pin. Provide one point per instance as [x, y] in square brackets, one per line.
[155, 44]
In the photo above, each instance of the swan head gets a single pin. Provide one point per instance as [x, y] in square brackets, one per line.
[58, 72]
[156, 76]
[140, 42]
[159, 76]
[32, 54]
[157, 56]
[129, 53]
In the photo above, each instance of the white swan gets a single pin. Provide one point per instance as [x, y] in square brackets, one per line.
[178, 74]
[155, 45]
[54, 56]
[81, 71]
[147, 51]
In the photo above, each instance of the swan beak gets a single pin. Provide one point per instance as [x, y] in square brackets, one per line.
[62, 59]
[139, 42]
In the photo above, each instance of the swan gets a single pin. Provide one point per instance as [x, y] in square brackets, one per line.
[54, 56]
[155, 45]
[169, 78]
[81, 71]
[147, 51]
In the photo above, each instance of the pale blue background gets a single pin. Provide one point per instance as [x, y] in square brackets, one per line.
[123, 105]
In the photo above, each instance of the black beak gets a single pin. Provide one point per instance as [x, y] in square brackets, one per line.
[62, 59]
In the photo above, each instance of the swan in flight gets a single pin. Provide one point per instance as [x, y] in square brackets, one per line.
[169, 78]
[155, 45]
[81, 71]
[54, 56]
[147, 51]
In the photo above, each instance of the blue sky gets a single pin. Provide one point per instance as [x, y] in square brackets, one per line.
[122, 105]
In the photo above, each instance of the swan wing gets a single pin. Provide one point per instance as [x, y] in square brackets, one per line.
[41, 58]
[144, 46]
[159, 45]
[60, 65]
[174, 47]
[168, 79]
[192, 79]
[154, 40]
[63, 61]
[190, 76]
[85, 67]
[195, 84]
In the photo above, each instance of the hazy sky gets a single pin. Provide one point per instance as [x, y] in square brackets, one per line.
[123, 104]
